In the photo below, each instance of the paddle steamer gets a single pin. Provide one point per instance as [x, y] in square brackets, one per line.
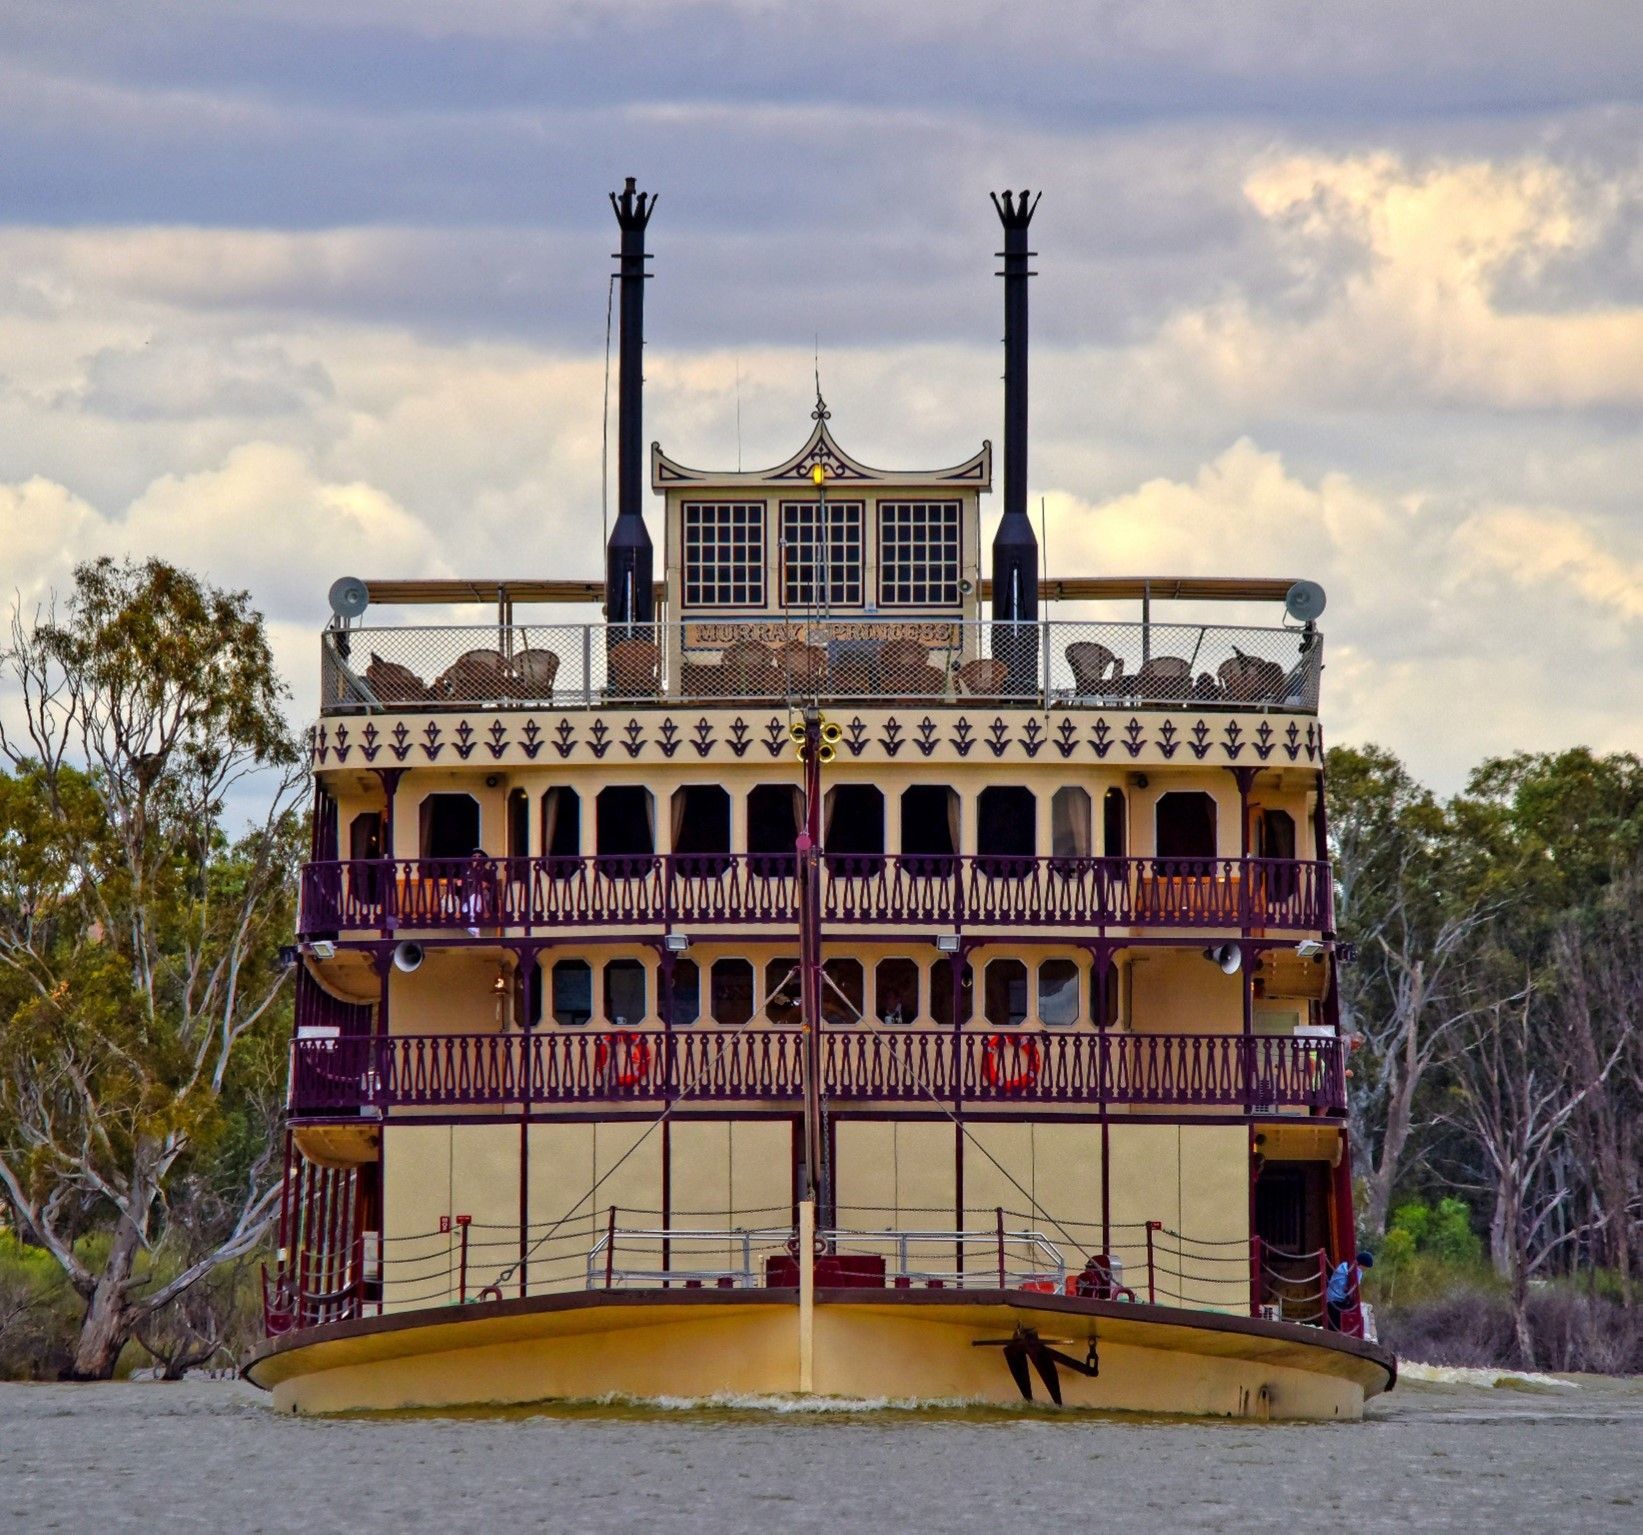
[838, 971]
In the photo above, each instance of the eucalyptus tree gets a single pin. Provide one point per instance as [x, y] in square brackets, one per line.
[140, 986]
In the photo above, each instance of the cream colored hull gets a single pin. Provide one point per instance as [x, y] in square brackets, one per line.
[861, 1345]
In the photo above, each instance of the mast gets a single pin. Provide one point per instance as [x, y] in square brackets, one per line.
[808, 848]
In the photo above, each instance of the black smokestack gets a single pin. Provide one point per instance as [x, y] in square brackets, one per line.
[629, 561]
[1015, 546]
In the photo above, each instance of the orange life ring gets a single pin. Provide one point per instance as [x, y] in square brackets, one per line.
[1028, 1059]
[633, 1061]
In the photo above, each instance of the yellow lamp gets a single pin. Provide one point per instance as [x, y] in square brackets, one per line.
[817, 474]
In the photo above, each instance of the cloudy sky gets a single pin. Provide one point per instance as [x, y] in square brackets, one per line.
[293, 288]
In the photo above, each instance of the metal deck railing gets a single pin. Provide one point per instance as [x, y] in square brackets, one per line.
[1045, 664]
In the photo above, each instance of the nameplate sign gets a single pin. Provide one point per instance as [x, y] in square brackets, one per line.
[716, 636]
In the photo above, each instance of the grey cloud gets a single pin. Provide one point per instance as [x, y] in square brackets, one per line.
[171, 379]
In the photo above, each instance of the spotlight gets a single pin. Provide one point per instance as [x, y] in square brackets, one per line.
[947, 943]
[676, 943]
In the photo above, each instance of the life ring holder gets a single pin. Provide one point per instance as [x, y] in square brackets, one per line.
[631, 1051]
[1028, 1058]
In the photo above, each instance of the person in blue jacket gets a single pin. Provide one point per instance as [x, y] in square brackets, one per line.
[1342, 1293]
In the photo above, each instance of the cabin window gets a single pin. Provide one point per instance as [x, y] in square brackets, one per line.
[625, 822]
[803, 552]
[572, 991]
[1275, 834]
[723, 554]
[929, 821]
[1114, 841]
[1058, 992]
[919, 553]
[701, 827]
[450, 825]
[941, 992]
[624, 992]
[895, 990]
[1004, 1002]
[773, 814]
[783, 1000]
[1006, 827]
[685, 996]
[527, 993]
[519, 824]
[730, 997]
[854, 825]
[1186, 825]
[365, 835]
[1070, 822]
[561, 823]
[843, 996]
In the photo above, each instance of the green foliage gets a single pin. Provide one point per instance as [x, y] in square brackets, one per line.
[1444, 1230]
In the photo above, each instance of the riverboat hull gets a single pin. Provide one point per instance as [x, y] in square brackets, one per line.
[851, 1344]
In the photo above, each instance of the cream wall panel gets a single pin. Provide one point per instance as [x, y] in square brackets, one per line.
[1215, 1208]
[761, 1171]
[485, 1185]
[864, 1171]
[419, 1261]
[1145, 1185]
[700, 1155]
[990, 1152]
[560, 1175]
[1067, 1180]
[1178, 990]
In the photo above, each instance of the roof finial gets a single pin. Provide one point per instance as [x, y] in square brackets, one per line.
[821, 412]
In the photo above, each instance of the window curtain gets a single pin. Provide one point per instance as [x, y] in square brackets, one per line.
[830, 805]
[650, 818]
[798, 811]
[1070, 823]
[550, 819]
[676, 820]
[952, 817]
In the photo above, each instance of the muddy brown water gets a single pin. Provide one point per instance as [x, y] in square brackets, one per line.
[208, 1455]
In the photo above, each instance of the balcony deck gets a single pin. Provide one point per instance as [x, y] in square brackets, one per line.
[552, 1066]
[738, 891]
[1047, 664]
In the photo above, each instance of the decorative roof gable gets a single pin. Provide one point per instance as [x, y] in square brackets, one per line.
[841, 468]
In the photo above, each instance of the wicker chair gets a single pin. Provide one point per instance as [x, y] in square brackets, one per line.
[476, 676]
[633, 668]
[1095, 668]
[391, 683]
[534, 672]
[982, 678]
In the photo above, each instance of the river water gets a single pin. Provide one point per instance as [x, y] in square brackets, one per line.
[1448, 1455]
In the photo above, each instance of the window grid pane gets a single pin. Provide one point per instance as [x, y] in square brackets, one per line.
[918, 553]
[724, 554]
[802, 557]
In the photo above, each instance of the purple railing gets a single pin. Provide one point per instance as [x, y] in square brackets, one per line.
[693, 890]
[562, 1066]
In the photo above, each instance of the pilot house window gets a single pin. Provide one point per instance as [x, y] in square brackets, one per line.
[804, 548]
[918, 553]
[724, 554]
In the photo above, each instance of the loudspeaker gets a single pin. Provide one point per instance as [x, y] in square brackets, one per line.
[408, 957]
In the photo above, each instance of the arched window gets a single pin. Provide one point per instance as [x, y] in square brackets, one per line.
[782, 1000]
[572, 991]
[1058, 992]
[1114, 837]
[625, 822]
[843, 998]
[1004, 1002]
[1070, 822]
[1186, 825]
[895, 991]
[929, 823]
[1006, 829]
[449, 825]
[941, 992]
[773, 812]
[730, 993]
[700, 831]
[625, 993]
[519, 824]
[686, 996]
[853, 828]
[561, 823]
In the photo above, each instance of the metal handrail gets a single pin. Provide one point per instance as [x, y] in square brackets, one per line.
[741, 659]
